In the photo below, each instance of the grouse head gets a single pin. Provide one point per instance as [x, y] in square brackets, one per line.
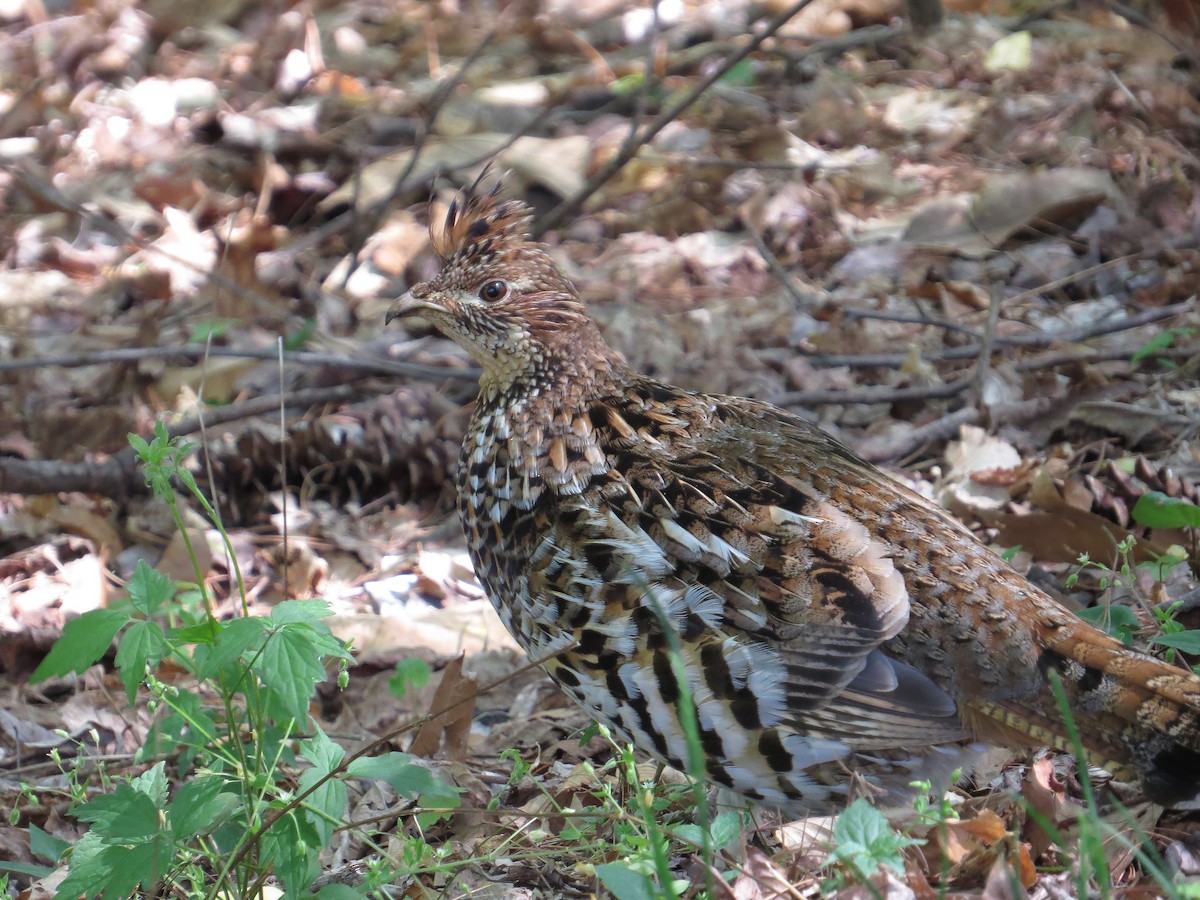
[501, 296]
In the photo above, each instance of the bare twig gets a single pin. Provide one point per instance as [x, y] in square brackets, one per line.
[346, 219]
[874, 395]
[940, 430]
[629, 150]
[947, 427]
[987, 345]
[369, 219]
[954, 388]
[193, 353]
[46, 192]
[905, 318]
[118, 476]
[776, 267]
[971, 351]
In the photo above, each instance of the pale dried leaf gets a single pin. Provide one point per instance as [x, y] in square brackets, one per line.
[451, 710]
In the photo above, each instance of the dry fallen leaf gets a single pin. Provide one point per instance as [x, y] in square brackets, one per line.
[1066, 534]
[1046, 796]
[760, 878]
[450, 713]
[980, 225]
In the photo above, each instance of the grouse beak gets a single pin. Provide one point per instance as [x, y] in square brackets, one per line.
[408, 305]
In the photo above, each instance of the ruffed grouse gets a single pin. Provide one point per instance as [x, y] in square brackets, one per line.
[830, 621]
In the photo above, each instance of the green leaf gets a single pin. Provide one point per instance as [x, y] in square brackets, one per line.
[1184, 641]
[726, 829]
[1161, 341]
[33, 870]
[628, 84]
[323, 753]
[126, 814]
[125, 847]
[1119, 621]
[625, 883]
[84, 641]
[149, 590]
[723, 831]
[200, 806]
[292, 846]
[88, 871]
[142, 647]
[412, 674]
[380, 768]
[339, 892]
[45, 845]
[863, 839]
[153, 783]
[301, 336]
[139, 445]
[1156, 510]
[741, 74]
[201, 331]
[235, 638]
[130, 866]
[409, 780]
[302, 611]
[290, 667]
[204, 632]
[326, 806]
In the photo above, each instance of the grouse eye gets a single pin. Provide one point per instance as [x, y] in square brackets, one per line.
[493, 291]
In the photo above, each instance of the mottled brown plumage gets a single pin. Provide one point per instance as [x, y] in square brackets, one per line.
[830, 621]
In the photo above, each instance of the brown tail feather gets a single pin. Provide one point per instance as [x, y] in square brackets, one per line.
[1136, 716]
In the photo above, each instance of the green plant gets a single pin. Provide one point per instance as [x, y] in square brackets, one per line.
[930, 812]
[1121, 620]
[644, 847]
[1155, 509]
[864, 841]
[647, 841]
[1118, 620]
[234, 727]
[1163, 340]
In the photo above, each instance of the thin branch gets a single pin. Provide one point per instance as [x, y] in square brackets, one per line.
[373, 365]
[345, 220]
[575, 202]
[905, 318]
[118, 476]
[1042, 339]
[940, 430]
[987, 346]
[873, 395]
[954, 388]
[781, 274]
[947, 427]
[45, 191]
[369, 219]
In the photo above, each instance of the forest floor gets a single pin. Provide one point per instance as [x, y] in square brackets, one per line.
[971, 254]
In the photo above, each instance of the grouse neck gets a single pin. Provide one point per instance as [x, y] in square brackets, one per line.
[557, 383]
[537, 435]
